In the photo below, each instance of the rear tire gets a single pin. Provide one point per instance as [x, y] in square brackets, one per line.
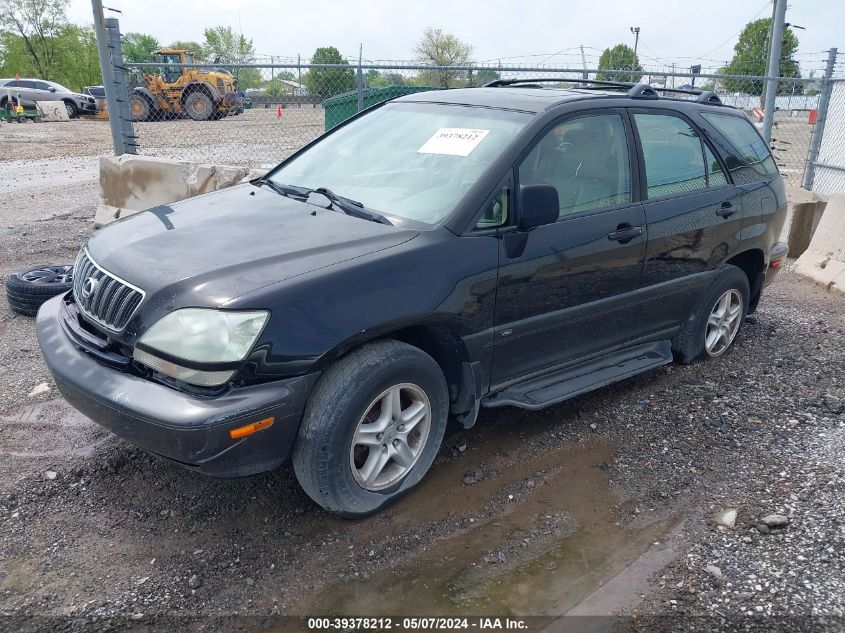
[713, 325]
[386, 401]
[28, 289]
[140, 107]
[199, 106]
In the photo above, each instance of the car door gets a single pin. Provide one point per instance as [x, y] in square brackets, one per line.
[27, 91]
[42, 91]
[562, 287]
[693, 214]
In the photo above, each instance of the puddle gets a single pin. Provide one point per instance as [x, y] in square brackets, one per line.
[541, 553]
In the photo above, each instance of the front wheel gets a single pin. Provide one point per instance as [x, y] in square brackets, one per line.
[372, 428]
[716, 320]
[72, 111]
[199, 106]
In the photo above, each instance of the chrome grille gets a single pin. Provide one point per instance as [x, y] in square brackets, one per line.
[101, 296]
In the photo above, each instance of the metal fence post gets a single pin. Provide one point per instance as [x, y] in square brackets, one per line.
[359, 80]
[121, 90]
[108, 77]
[774, 68]
[821, 115]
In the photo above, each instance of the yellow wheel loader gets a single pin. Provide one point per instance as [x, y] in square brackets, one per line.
[177, 90]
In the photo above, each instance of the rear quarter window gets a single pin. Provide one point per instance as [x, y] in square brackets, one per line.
[752, 157]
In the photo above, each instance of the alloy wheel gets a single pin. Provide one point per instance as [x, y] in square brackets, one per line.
[390, 436]
[723, 323]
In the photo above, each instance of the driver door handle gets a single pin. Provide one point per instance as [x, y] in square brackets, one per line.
[625, 234]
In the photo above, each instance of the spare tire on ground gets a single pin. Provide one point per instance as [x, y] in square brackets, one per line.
[28, 289]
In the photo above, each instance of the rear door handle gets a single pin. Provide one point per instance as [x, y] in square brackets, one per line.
[726, 210]
[625, 234]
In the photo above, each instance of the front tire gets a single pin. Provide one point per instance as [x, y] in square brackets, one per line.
[72, 111]
[199, 106]
[372, 428]
[712, 328]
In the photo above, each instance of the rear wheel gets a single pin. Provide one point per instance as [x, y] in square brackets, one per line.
[140, 107]
[372, 428]
[199, 106]
[716, 320]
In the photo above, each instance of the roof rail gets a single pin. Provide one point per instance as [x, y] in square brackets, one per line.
[499, 83]
[635, 91]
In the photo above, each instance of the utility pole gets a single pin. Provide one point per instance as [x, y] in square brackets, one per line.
[583, 64]
[636, 31]
[108, 49]
[818, 128]
[774, 68]
[673, 74]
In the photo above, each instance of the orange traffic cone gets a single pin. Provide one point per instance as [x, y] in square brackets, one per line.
[279, 111]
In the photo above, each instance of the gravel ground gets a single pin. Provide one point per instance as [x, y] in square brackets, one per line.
[527, 513]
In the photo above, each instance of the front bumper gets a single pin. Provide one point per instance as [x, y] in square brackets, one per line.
[192, 430]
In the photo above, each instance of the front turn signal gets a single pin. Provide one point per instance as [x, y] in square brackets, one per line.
[248, 429]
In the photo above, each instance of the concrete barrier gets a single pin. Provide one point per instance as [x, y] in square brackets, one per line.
[824, 260]
[803, 215]
[129, 183]
[53, 110]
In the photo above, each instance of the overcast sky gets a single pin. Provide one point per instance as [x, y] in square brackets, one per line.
[514, 31]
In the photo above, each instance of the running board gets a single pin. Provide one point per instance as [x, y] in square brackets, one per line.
[572, 381]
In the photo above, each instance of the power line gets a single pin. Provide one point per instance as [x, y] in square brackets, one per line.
[738, 32]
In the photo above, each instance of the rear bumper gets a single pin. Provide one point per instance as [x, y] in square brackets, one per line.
[775, 259]
[188, 429]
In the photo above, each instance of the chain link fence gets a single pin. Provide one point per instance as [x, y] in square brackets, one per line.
[827, 164]
[257, 115]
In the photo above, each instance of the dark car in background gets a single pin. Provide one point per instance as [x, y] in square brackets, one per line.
[445, 251]
[30, 90]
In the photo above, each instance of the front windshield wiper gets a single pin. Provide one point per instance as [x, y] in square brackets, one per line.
[350, 207]
[282, 190]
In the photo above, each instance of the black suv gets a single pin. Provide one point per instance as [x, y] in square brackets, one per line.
[507, 245]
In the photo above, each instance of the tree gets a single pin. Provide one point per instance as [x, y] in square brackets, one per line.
[621, 58]
[224, 46]
[139, 47]
[482, 77]
[443, 49]
[375, 79]
[77, 61]
[751, 55]
[194, 47]
[327, 82]
[38, 23]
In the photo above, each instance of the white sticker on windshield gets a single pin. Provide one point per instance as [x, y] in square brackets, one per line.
[454, 141]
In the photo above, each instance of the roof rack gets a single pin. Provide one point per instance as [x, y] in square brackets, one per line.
[635, 91]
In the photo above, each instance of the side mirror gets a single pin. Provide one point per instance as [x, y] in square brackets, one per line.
[539, 205]
[51, 89]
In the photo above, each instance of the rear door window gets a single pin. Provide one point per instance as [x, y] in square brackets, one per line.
[674, 162]
[715, 175]
[750, 148]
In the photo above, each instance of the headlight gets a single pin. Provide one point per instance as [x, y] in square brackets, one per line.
[202, 337]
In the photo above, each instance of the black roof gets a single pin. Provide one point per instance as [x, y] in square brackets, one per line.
[535, 99]
[526, 99]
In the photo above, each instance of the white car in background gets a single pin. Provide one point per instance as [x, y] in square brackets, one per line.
[30, 90]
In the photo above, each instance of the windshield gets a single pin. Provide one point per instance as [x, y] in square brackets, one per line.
[411, 160]
[59, 87]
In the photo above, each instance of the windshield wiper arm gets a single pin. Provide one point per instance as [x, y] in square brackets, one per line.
[282, 190]
[351, 207]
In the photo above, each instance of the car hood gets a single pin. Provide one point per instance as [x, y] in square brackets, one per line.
[205, 251]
